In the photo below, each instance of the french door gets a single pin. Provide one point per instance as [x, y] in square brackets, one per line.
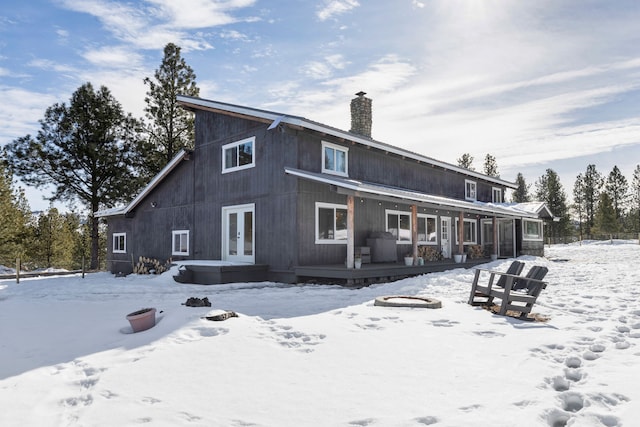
[445, 236]
[238, 233]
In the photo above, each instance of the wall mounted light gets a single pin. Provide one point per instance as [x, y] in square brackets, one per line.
[154, 204]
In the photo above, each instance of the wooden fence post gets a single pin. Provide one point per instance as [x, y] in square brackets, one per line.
[18, 270]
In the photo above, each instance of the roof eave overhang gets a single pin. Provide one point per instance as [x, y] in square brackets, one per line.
[380, 192]
[182, 154]
[192, 103]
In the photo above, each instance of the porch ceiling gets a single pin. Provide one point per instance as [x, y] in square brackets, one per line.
[374, 191]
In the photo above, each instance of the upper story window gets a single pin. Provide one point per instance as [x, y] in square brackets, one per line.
[180, 242]
[399, 224]
[470, 192]
[238, 155]
[496, 194]
[427, 233]
[119, 243]
[532, 229]
[331, 223]
[335, 159]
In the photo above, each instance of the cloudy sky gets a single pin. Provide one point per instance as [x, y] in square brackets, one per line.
[538, 84]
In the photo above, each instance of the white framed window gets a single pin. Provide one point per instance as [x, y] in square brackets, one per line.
[238, 155]
[331, 223]
[335, 159]
[180, 242]
[399, 224]
[427, 229]
[470, 188]
[532, 229]
[496, 194]
[469, 231]
[119, 243]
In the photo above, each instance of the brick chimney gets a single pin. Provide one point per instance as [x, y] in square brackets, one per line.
[361, 118]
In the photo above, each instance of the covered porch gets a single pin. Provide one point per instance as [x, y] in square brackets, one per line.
[492, 226]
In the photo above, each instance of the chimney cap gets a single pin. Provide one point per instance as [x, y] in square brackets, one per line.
[361, 93]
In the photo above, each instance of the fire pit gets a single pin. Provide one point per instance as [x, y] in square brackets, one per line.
[407, 301]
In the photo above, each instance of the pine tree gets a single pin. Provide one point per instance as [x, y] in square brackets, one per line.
[617, 188]
[88, 150]
[635, 195]
[521, 194]
[466, 161]
[578, 201]
[592, 184]
[490, 166]
[606, 221]
[14, 216]
[170, 127]
[53, 240]
[549, 190]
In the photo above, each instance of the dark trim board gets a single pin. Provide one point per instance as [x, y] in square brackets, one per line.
[218, 274]
[335, 274]
[376, 273]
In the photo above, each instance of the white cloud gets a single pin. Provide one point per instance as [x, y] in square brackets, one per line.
[162, 21]
[47, 64]
[113, 57]
[331, 8]
[199, 13]
[20, 111]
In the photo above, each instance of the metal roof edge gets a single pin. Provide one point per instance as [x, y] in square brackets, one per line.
[320, 127]
[361, 186]
[146, 190]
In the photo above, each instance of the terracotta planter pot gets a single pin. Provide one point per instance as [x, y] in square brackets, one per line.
[143, 319]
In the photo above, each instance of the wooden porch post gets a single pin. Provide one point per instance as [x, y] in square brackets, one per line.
[414, 233]
[495, 236]
[350, 231]
[461, 232]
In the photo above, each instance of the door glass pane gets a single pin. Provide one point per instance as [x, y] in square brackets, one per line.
[248, 233]
[233, 234]
[487, 234]
[505, 231]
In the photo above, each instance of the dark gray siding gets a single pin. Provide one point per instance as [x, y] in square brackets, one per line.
[193, 195]
[383, 168]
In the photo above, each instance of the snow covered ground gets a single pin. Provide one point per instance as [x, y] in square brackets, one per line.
[325, 355]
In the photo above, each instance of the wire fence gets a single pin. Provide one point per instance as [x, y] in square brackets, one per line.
[601, 237]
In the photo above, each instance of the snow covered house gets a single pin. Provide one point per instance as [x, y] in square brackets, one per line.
[300, 199]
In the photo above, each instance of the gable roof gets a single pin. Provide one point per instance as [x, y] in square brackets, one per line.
[123, 210]
[384, 192]
[274, 118]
